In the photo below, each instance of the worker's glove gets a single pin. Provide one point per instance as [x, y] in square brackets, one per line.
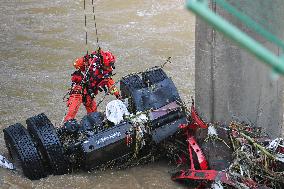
[119, 97]
[112, 65]
[103, 88]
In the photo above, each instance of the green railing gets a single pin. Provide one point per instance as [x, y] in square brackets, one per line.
[201, 8]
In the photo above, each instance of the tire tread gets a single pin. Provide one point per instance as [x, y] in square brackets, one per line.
[18, 138]
[45, 135]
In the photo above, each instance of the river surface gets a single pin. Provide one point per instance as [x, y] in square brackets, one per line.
[40, 39]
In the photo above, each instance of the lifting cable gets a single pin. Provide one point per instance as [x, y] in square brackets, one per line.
[86, 39]
[86, 32]
[94, 15]
[86, 29]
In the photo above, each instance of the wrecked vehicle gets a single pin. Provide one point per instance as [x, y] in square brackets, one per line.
[152, 115]
[237, 155]
[207, 155]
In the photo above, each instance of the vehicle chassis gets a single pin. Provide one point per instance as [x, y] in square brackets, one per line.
[42, 149]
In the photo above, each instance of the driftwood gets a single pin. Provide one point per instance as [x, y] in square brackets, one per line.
[252, 158]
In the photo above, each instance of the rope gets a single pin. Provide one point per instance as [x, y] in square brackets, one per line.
[86, 28]
[95, 24]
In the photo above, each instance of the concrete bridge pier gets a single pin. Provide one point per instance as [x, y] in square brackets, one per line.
[232, 84]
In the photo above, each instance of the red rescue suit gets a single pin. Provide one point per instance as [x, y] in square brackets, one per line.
[93, 75]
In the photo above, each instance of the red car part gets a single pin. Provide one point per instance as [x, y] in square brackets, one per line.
[203, 174]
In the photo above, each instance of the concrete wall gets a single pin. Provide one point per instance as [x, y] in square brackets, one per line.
[230, 83]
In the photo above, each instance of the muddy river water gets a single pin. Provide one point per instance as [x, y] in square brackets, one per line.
[40, 39]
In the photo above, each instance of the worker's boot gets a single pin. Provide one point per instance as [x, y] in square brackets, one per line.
[71, 126]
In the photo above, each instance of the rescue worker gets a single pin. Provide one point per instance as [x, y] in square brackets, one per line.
[93, 74]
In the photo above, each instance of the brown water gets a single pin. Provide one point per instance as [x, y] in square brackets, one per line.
[39, 40]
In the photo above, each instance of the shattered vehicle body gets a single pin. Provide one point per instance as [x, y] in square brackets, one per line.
[153, 123]
[233, 156]
[154, 114]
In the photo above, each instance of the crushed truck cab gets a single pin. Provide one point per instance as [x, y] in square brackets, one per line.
[154, 114]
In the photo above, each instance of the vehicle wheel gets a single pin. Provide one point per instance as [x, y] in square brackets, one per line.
[47, 140]
[153, 76]
[130, 83]
[23, 150]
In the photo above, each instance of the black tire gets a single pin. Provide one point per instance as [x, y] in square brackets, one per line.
[47, 140]
[130, 83]
[22, 149]
[153, 76]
